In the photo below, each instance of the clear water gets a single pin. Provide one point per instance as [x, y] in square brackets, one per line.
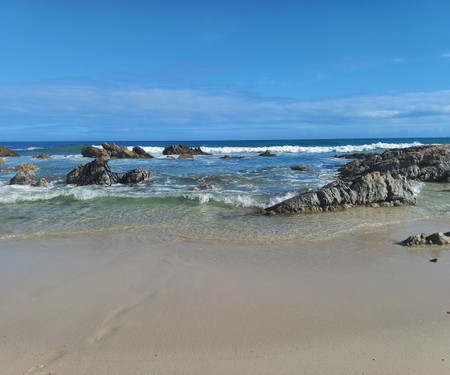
[168, 204]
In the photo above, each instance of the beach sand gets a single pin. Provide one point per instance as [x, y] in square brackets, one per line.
[127, 303]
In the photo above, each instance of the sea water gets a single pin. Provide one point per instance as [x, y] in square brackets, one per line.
[171, 205]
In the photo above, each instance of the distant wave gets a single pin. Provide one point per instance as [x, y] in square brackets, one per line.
[287, 149]
[290, 149]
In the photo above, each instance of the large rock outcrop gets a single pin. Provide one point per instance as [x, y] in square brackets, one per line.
[183, 149]
[374, 179]
[7, 152]
[98, 172]
[371, 189]
[421, 163]
[115, 151]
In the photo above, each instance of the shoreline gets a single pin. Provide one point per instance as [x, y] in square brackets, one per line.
[126, 303]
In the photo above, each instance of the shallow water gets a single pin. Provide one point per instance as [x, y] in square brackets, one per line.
[167, 202]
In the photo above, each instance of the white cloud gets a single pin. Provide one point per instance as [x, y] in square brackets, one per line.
[59, 104]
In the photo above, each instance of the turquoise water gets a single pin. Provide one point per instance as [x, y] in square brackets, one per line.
[167, 203]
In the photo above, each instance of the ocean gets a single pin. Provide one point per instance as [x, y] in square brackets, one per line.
[170, 206]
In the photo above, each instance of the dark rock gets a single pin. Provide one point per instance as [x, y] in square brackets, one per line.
[356, 155]
[93, 173]
[422, 163]
[23, 178]
[42, 156]
[340, 195]
[378, 180]
[267, 153]
[94, 152]
[301, 168]
[186, 156]
[134, 176]
[232, 157]
[27, 167]
[183, 149]
[7, 152]
[97, 172]
[437, 238]
[115, 151]
[142, 154]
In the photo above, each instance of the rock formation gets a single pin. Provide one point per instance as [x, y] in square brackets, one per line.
[7, 152]
[2, 161]
[27, 177]
[421, 163]
[371, 189]
[438, 238]
[183, 149]
[115, 151]
[97, 172]
[376, 180]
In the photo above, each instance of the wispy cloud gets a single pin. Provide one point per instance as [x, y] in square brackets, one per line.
[86, 106]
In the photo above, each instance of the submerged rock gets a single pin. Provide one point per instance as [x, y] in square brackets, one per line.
[7, 152]
[301, 168]
[186, 156]
[42, 156]
[437, 238]
[267, 153]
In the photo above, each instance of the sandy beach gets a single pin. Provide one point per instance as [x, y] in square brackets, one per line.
[126, 303]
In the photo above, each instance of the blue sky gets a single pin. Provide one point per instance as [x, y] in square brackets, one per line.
[163, 70]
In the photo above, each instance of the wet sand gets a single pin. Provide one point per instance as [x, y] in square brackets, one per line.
[125, 303]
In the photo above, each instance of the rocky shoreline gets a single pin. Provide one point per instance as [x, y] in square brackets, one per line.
[373, 180]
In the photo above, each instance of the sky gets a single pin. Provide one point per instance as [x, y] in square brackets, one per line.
[220, 70]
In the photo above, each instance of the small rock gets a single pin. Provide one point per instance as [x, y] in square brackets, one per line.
[42, 156]
[206, 186]
[2, 161]
[27, 167]
[267, 153]
[42, 182]
[434, 260]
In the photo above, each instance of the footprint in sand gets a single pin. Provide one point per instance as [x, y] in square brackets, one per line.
[50, 357]
[108, 327]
